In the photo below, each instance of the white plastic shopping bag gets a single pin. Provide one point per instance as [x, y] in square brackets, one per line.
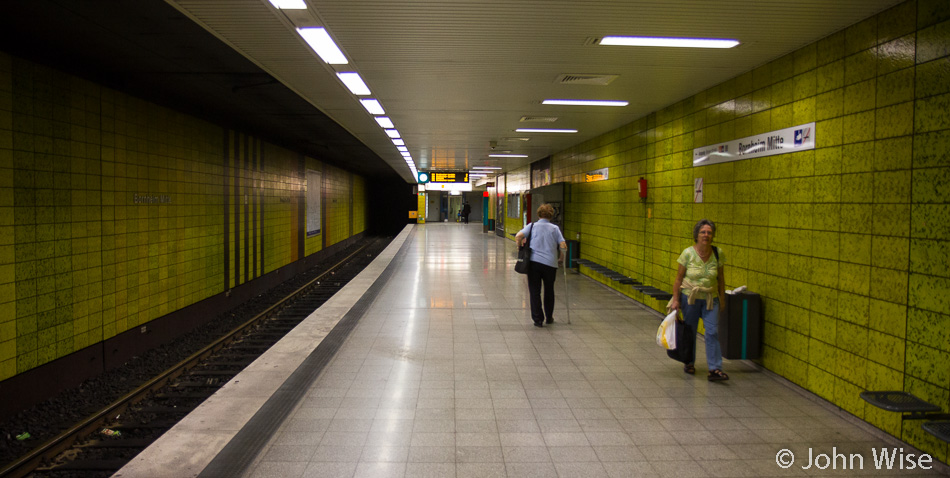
[666, 334]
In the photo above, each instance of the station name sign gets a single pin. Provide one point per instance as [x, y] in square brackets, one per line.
[151, 199]
[788, 140]
[448, 177]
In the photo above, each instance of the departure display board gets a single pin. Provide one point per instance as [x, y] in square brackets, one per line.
[448, 177]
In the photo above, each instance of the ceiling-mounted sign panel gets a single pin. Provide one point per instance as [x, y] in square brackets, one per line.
[788, 140]
[448, 177]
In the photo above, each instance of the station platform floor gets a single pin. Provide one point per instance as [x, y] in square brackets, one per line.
[428, 365]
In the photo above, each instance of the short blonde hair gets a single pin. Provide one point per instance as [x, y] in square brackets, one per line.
[546, 211]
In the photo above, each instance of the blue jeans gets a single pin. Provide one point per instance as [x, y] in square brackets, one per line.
[691, 315]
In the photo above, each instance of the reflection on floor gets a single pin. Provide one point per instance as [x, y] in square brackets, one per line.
[445, 376]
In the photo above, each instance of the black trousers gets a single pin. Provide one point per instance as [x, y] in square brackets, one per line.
[538, 274]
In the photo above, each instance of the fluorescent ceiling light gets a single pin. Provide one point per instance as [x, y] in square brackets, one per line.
[289, 4]
[354, 83]
[373, 106]
[669, 42]
[406, 155]
[320, 41]
[399, 142]
[585, 102]
[402, 149]
[486, 167]
[507, 155]
[393, 133]
[544, 130]
[385, 122]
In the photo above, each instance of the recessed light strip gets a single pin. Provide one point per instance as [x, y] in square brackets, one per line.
[585, 102]
[320, 41]
[507, 155]
[669, 42]
[289, 4]
[373, 106]
[544, 130]
[354, 83]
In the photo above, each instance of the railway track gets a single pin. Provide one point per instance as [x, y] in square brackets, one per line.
[105, 441]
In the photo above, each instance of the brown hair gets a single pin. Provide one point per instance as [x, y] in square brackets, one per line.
[699, 225]
[546, 211]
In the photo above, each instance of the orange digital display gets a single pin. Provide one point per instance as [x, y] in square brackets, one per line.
[447, 177]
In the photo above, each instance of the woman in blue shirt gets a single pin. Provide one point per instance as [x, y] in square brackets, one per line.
[547, 251]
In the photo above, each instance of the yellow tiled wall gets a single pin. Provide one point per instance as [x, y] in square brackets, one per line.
[847, 243]
[337, 195]
[517, 182]
[279, 192]
[359, 204]
[112, 212]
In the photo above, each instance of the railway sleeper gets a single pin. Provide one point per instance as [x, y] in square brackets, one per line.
[215, 373]
[154, 424]
[87, 465]
[120, 443]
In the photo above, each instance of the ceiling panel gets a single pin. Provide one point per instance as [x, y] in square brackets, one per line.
[456, 75]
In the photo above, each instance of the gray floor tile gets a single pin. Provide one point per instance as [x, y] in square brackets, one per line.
[445, 376]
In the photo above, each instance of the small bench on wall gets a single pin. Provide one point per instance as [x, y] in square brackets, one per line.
[913, 408]
[657, 294]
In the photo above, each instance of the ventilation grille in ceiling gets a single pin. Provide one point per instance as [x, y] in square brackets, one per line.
[538, 119]
[601, 80]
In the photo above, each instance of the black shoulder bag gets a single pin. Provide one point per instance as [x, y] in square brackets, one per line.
[684, 346]
[524, 254]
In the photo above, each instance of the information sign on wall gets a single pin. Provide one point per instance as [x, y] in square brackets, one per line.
[596, 175]
[314, 193]
[788, 140]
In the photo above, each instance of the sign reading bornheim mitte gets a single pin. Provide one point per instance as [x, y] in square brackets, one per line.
[788, 140]
[151, 198]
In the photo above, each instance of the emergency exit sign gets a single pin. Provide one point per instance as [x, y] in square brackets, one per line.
[448, 177]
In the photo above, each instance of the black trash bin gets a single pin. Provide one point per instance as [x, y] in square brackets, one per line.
[573, 253]
[740, 334]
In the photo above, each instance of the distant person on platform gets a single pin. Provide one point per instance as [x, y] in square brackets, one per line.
[547, 250]
[466, 210]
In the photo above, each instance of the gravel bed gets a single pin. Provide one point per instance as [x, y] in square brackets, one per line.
[49, 418]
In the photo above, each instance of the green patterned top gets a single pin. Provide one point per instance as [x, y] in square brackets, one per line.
[699, 273]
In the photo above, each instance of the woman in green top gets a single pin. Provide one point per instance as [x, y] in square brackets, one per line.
[700, 291]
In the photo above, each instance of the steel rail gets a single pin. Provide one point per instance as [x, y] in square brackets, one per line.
[65, 440]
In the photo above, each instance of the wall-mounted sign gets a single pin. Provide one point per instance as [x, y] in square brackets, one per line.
[596, 175]
[423, 177]
[788, 140]
[448, 177]
[151, 199]
[490, 184]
